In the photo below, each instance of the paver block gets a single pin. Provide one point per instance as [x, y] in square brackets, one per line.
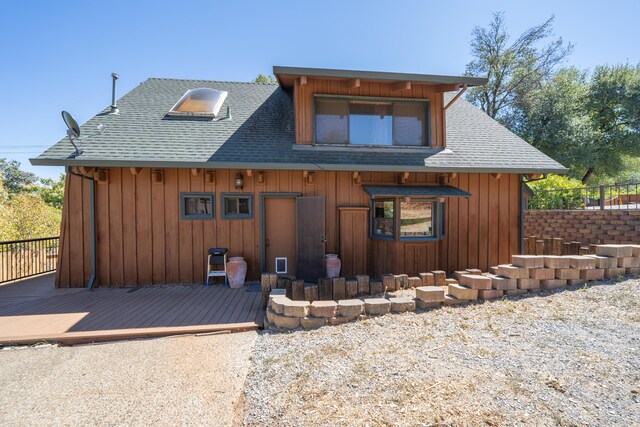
[350, 307]
[440, 277]
[458, 274]
[474, 271]
[542, 273]
[594, 274]
[451, 301]
[574, 282]
[461, 292]
[635, 250]
[388, 282]
[277, 303]
[402, 281]
[632, 271]
[402, 304]
[567, 273]
[451, 281]
[415, 282]
[616, 251]
[427, 279]
[604, 261]
[556, 261]
[513, 272]
[515, 292]
[501, 283]
[430, 293]
[553, 284]
[581, 262]
[425, 305]
[312, 322]
[376, 306]
[375, 287]
[490, 293]
[493, 270]
[528, 261]
[296, 308]
[285, 322]
[528, 284]
[629, 262]
[323, 308]
[339, 320]
[611, 273]
[476, 281]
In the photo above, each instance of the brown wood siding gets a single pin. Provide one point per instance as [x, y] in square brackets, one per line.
[303, 104]
[142, 240]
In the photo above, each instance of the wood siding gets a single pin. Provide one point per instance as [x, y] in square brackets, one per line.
[141, 239]
[304, 104]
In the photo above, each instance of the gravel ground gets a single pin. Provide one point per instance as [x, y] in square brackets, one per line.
[189, 380]
[561, 358]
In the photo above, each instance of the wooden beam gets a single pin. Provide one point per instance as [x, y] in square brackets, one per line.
[86, 170]
[305, 174]
[403, 177]
[455, 98]
[310, 178]
[249, 172]
[496, 175]
[195, 171]
[260, 177]
[399, 86]
[134, 171]
[303, 80]
[453, 175]
[353, 83]
[357, 178]
[447, 88]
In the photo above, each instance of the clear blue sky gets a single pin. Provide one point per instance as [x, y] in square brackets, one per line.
[58, 55]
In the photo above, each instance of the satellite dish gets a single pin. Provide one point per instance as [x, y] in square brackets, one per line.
[71, 123]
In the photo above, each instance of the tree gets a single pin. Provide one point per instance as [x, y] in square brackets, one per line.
[512, 69]
[26, 216]
[265, 79]
[52, 191]
[16, 180]
[587, 122]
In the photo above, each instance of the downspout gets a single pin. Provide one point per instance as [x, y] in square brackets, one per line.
[92, 225]
[521, 239]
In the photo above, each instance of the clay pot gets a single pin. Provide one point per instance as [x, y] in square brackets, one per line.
[236, 271]
[333, 265]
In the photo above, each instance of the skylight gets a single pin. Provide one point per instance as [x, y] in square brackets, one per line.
[201, 102]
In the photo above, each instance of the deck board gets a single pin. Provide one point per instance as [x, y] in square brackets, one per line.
[79, 315]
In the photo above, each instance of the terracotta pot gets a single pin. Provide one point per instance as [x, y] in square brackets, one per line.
[236, 271]
[333, 265]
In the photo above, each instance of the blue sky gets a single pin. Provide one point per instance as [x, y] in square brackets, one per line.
[58, 55]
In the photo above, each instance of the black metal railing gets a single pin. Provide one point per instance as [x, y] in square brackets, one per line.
[26, 258]
[604, 197]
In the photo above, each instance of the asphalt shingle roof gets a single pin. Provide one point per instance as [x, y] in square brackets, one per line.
[261, 134]
[408, 190]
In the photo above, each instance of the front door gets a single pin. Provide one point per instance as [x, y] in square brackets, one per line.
[311, 238]
[280, 235]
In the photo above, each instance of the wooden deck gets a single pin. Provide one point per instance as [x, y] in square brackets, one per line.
[75, 316]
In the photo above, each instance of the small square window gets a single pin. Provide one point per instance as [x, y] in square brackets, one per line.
[197, 206]
[237, 206]
[383, 219]
[416, 219]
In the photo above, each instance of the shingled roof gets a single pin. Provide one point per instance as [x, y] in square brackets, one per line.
[261, 135]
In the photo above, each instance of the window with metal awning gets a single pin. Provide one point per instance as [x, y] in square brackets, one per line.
[409, 213]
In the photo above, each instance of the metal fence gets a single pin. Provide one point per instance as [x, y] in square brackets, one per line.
[25, 258]
[617, 196]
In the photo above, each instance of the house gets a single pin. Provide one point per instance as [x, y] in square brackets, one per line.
[395, 173]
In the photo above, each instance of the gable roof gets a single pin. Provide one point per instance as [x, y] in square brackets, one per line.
[261, 135]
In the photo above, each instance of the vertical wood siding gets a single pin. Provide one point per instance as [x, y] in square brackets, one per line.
[141, 239]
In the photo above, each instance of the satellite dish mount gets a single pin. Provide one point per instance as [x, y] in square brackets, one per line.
[73, 131]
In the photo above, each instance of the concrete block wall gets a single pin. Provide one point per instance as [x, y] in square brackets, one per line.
[585, 226]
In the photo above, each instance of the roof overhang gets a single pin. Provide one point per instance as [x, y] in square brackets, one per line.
[287, 75]
[414, 191]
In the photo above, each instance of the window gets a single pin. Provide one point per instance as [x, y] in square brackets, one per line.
[370, 122]
[196, 206]
[383, 219]
[201, 102]
[237, 206]
[416, 218]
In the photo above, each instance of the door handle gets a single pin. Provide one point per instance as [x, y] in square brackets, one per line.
[323, 239]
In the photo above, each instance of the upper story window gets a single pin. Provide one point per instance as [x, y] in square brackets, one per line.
[201, 102]
[371, 122]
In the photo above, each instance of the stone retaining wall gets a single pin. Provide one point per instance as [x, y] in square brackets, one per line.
[585, 226]
[525, 274]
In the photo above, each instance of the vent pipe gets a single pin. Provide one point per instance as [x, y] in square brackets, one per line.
[114, 107]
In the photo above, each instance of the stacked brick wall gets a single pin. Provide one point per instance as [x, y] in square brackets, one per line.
[587, 227]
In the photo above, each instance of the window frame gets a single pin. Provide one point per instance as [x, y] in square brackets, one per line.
[438, 214]
[223, 206]
[372, 213]
[426, 126]
[184, 195]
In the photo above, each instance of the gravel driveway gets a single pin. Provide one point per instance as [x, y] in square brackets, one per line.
[171, 381]
[566, 358]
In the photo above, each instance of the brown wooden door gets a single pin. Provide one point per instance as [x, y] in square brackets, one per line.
[354, 240]
[311, 238]
[280, 233]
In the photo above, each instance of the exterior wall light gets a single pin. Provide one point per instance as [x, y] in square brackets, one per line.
[239, 181]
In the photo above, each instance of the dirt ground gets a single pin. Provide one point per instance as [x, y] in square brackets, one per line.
[551, 359]
[189, 380]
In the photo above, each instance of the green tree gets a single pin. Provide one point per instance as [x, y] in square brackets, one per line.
[512, 68]
[52, 191]
[16, 180]
[262, 78]
[27, 216]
